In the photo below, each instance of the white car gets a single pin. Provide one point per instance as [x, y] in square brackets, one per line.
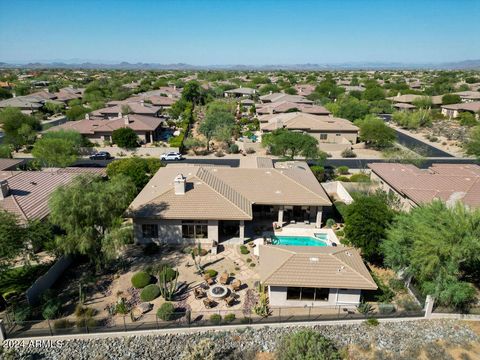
[171, 156]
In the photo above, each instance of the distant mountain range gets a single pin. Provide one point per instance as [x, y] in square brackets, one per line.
[461, 65]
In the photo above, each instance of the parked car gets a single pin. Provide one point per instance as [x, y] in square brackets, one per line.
[171, 156]
[101, 155]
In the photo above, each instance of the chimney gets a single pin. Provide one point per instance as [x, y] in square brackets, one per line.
[142, 102]
[126, 119]
[120, 114]
[14, 95]
[174, 87]
[179, 184]
[87, 116]
[4, 189]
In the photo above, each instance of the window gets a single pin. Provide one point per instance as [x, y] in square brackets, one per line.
[293, 293]
[321, 294]
[323, 136]
[307, 294]
[149, 231]
[195, 229]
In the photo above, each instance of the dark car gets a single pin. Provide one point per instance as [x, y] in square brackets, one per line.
[102, 155]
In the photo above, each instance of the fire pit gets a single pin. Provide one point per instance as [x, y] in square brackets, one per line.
[217, 292]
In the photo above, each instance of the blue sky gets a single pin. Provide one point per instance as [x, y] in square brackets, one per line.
[207, 32]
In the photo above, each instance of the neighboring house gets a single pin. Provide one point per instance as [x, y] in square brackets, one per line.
[326, 129]
[240, 92]
[414, 186]
[304, 89]
[9, 164]
[285, 106]
[404, 106]
[276, 97]
[6, 85]
[147, 128]
[350, 88]
[469, 96]
[411, 98]
[26, 193]
[163, 102]
[299, 276]
[454, 110]
[136, 108]
[186, 203]
[69, 93]
[26, 104]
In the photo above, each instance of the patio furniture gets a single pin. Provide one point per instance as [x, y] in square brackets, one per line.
[209, 303]
[209, 280]
[224, 279]
[236, 285]
[199, 293]
[229, 301]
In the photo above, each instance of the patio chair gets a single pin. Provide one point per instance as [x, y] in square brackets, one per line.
[236, 285]
[199, 293]
[224, 279]
[229, 301]
[209, 303]
[209, 280]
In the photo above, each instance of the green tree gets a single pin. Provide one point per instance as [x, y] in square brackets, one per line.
[349, 108]
[76, 112]
[12, 240]
[53, 107]
[5, 94]
[125, 138]
[448, 99]
[218, 120]
[375, 133]
[291, 144]
[139, 170]
[366, 221]
[193, 93]
[19, 129]
[424, 102]
[412, 120]
[440, 247]
[5, 151]
[90, 210]
[58, 148]
[307, 345]
[472, 146]
[374, 92]
[466, 118]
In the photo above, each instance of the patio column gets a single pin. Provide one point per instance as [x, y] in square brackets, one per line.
[242, 230]
[280, 216]
[318, 222]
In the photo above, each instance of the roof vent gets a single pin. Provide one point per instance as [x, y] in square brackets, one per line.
[314, 259]
[348, 253]
[341, 268]
[33, 183]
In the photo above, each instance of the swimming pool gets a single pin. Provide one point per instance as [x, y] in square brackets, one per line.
[318, 240]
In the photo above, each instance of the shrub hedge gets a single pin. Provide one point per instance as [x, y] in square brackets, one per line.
[140, 279]
[166, 311]
[150, 292]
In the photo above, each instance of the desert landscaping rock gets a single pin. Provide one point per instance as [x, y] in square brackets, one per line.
[394, 337]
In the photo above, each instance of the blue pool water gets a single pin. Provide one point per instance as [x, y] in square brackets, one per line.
[319, 240]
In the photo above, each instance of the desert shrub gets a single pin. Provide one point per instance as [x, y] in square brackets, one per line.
[386, 308]
[51, 308]
[342, 170]
[365, 308]
[140, 279]
[307, 344]
[340, 233]
[229, 317]
[150, 292]
[22, 313]
[318, 171]
[249, 260]
[252, 265]
[166, 311]
[233, 149]
[244, 250]
[219, 153]
[212, 273]
[371, 322]
[250, 151]
[121, 307]
[396, 285]
[86, 322]
[215, 319]
[342, 178]
[203, 252]
[62, 324]
[330, 222]
[408, 304]
[348, 153]
[433, 138]
[360, 178]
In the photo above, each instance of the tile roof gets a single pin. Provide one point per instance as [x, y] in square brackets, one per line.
[136, 107]
[31, 190]
[441, 181]
[314, 266]
[7, 164]
[470, 106]
[226, 193]
[284, 106]
[275, 97]
[306, 122]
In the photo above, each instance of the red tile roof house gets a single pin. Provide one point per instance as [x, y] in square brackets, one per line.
[285, 106]
[413, 186]
[147, 128]
[454, 110]
[163, 102]
[26, 193]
